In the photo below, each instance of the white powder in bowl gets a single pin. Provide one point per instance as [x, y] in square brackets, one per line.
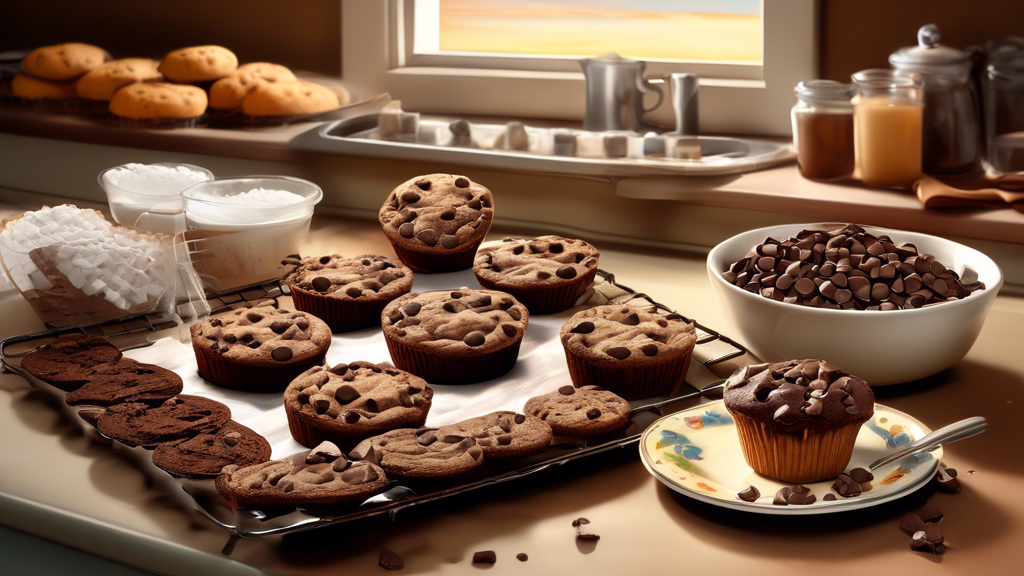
[255, 197]
[154, 180]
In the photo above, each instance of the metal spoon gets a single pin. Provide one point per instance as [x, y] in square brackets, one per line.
[952, 433]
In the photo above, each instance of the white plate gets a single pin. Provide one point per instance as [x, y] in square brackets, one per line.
[697, 453]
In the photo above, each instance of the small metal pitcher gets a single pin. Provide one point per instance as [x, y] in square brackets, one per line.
[615, 93]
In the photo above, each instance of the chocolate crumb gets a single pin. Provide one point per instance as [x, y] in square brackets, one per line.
[522, 557]
[930, 515]
[749, 495]
[484, 557]
[581, 532]
[390, 561]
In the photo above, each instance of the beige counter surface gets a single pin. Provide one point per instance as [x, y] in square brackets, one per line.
[55, 483]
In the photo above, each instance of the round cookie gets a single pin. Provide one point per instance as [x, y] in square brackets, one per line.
[436, 222]
[126, 381]
[349, 402]
[503, 435]
[455, 336]
[290, 99]
[205, 455]
[348, 293]
[66, 362]
[228, 92]
[586, 411]
[29, 88]
[420, 453]
[198, 64]
[320, 477]
[179, 417]
[547, 274]
[63, 62]
[632, 352]
[259, 349]
[101, 83]
[159, 102]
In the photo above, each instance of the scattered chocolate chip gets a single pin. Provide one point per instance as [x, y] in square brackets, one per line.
[911, 523]
[567, 390]
[750, 494]
[321, 284]
[566, 272]
[930, 515]
[254, 317]
[581, 532]
[593, 413]
[390, 561]
[475, 338]
[279, 326]
[350, 416]
[861, 475]
[485, 556]
[522, 557]
[346, 393]
[829, 497]
[281, 354]
[618, 352]
[231, 439]
[946, 480]
[583, 328]
[462, 182]
[354, 291]
[325, 259]
[782, 496]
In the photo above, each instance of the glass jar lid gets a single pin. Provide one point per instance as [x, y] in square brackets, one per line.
[929, 56]
[825, 92]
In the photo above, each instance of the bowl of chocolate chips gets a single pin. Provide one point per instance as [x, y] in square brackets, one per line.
[887, 305]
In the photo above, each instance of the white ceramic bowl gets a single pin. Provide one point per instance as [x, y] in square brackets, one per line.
[882, 347]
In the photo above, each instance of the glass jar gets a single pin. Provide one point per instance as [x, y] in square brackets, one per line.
[823, 129]
[1004, 110]
[887, 114]
[951, 124]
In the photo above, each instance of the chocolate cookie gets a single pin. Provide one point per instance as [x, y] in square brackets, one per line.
[180, 417]
[126, 381]
[421, 453]
[455, 336]
[633, 352]
[436, 222]
[204, 455]
[547, 274]
[320, 477]
[347, 293]
[503, 434]
[260, 348]
[585, 411]
[349, 402]
[66, 362]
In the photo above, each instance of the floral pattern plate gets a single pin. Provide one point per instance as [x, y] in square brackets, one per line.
[697, 453]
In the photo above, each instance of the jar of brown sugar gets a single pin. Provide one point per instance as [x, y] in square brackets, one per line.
[823, 129]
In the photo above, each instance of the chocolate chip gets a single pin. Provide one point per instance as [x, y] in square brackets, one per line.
[354, 291]
[279, 326]
[346, 393]
[566, 390]
[911, 523]
[388, 559]
[350, 416]
[650, 349]
[395, 316]
[556, 248]
[583, 328]
[325, 259]
[542, 275]
[484, 300]
[449, 307]
[231, 439]
[423, 184]
[593, 413]
[281, 354]
[618, 352]
[447, 214]
[509, 330]
[428, 236]
[930, 515]
[522, 557]
[631, 320]
[515, 314]
[861, 476]
[321, 284]
[407, 230]
[750, 494]
[475, 338]
[462, 182]
[581, 532]
[359, 475]
[410, 197]
[829, 497]
[566, 272]
[519, 419]
[448, 241]
[485, 556]
[254, 317]
[475, 204]
[412, 308]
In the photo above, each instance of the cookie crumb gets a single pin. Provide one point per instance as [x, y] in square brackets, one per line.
[484, 557]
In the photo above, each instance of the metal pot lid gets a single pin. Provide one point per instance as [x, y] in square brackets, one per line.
[928, 52]
[613, 58]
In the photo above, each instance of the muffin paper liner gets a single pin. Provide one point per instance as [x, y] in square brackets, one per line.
[631, 382]
[797, 458]
[427, 263]
[437, 368]
[545, 299]
[222, 372]
[340, 315]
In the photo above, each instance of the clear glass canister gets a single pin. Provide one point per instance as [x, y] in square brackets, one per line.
[1004, 110]
[823, 129]
[887, 114]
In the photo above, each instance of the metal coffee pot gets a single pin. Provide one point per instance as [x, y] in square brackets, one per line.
[615, 93]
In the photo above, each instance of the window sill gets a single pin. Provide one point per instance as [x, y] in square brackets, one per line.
[575, 77]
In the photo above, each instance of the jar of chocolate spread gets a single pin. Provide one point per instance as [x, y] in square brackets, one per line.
[823, 129]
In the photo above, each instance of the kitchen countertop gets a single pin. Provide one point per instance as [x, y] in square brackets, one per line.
[88, 497]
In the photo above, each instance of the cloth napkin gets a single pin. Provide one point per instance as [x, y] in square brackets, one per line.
[972, 190]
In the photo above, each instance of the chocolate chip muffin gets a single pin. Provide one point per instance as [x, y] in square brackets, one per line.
[349, 402]
[632, 352]
[259, 349]
[348, 293]
[436, 222]
[206, 454]
[798, 420]
[455, 337]
[547, 274]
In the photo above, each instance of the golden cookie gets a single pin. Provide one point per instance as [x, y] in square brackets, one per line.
[290, 98]
[228, 92]
[25, 86]
[101, 83]
[64, 61]
[158, 101]
[198, 64]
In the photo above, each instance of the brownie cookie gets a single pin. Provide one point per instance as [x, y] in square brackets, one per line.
[503, 435]
[228, 92]
[420, 453]
[348, 293]
[585, 411]
[455, 337]
[632, 352]
[349, 402]
[66, 362]
[204, 455]
[260, 348]
[29, 88]
[547, 274]
[290, 99]
[798, 420]
[63, 62]
[436, 222]
[198, 64]
[180, 417]
[126, 381]
[101, 83]
[320, 477]
[159, 103]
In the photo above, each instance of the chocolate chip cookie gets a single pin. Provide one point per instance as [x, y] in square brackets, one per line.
[198, 64]
[63, 62]
[228, 92]
[66, 362]
[633, 352]
[204, 455]
[421, 453]
[455, 336]
[260, 348]
[159, 104]
[180, 417]
[347, 293]
[585, 411]
[126, 381]
[436, 222]
[547, 274]
[503, 435]
[101, 83]
[349, 402]
[321, 477]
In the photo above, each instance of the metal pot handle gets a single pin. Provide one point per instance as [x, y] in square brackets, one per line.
[644, 86]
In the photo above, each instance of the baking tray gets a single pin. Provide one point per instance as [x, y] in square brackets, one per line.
[540, 369]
